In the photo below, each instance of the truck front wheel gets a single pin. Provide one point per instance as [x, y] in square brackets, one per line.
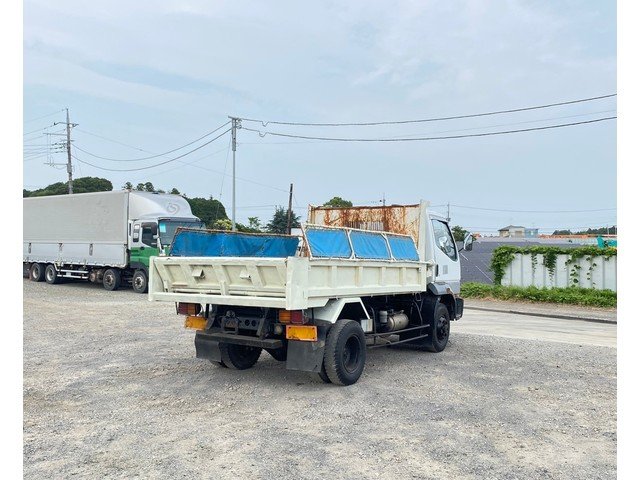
[111, 279]
[36, 272]
[345, 352]
[139, 282]
[439, 332]
[239, 357]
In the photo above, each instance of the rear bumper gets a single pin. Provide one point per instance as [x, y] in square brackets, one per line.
[301, 355]
[219, 337]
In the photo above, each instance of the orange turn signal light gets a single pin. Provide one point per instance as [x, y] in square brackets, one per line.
[291, 316]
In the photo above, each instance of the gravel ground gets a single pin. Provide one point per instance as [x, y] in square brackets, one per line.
[112, 389]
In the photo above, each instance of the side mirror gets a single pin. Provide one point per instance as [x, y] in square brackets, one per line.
[467, 245]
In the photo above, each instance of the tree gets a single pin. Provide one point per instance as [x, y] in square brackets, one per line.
[208, 210]
[80, 185]
[175, 191]
[127, 186]
[222, 224]
[254, 225]
[338, 202]
[278, 223]
[459, 233]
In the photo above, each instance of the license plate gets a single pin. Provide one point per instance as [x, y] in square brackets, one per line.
[306, 333]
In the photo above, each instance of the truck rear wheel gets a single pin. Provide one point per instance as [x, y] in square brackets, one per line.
[111, 279]
[51, 275]
[36, 272]
[323, 375]
[280, 354]
[239, 357]
[139, 282]
[345, 352]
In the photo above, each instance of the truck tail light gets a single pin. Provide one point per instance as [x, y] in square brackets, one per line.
[291, 316]
[189, 308]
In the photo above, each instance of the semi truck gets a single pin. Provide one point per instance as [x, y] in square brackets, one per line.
[102, 237]
[360, 277]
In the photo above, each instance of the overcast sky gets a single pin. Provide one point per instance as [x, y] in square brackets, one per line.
[157, 75]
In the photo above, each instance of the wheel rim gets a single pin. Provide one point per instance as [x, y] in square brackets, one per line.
[49, 274]
[442, 330]
[139, 282]
[351, 354]
[35, 273]
[109, 280]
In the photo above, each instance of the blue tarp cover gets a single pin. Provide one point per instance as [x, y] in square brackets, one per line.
[403, 248]
[328, 243]
[370, 245]
[189, 243]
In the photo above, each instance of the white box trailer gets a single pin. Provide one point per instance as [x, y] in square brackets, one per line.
[394, 281]
[86, 229]
[104, 237]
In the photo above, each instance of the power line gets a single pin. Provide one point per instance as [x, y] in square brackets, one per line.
[152, 166]
[303, 142]
[156, 155]
[534, 211]
[424, 120]
[44, 116]
[192, 163]
[414, 139]
[38, 130]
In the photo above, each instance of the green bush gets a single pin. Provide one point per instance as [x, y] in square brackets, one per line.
[571, 296]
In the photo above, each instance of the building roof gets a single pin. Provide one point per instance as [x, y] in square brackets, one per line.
[509, 227]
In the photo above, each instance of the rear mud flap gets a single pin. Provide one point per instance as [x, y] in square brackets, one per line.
[207, 348]
[307, 356]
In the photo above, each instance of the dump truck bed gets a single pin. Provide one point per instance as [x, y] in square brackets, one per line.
[291, 283]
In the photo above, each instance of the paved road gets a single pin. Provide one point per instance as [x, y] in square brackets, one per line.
[545, 329]
[112, 390]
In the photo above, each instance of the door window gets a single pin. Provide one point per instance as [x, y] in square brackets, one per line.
[149, 230]
[444, 240]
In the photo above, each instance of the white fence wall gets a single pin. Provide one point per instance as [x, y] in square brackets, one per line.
[523, 273]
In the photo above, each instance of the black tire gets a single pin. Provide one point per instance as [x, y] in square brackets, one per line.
[220, 364]
[345, 352]
[439, 331]
[111, 279]
[51, 275]
[36, 272]
[323, 375]
[280, 354]
[239, 357]
[139, 282]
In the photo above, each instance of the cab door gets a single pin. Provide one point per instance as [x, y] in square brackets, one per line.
[445, 254]
[143, 243]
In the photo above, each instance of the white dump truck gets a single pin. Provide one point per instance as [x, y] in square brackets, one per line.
[103, 237]
[358, 277]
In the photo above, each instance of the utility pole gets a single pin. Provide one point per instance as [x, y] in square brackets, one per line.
[69, 167]
[69, 125]
[289, 212]
[448, 212]
[235, 124]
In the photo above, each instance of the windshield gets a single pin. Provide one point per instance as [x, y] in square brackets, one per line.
[167, 229]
